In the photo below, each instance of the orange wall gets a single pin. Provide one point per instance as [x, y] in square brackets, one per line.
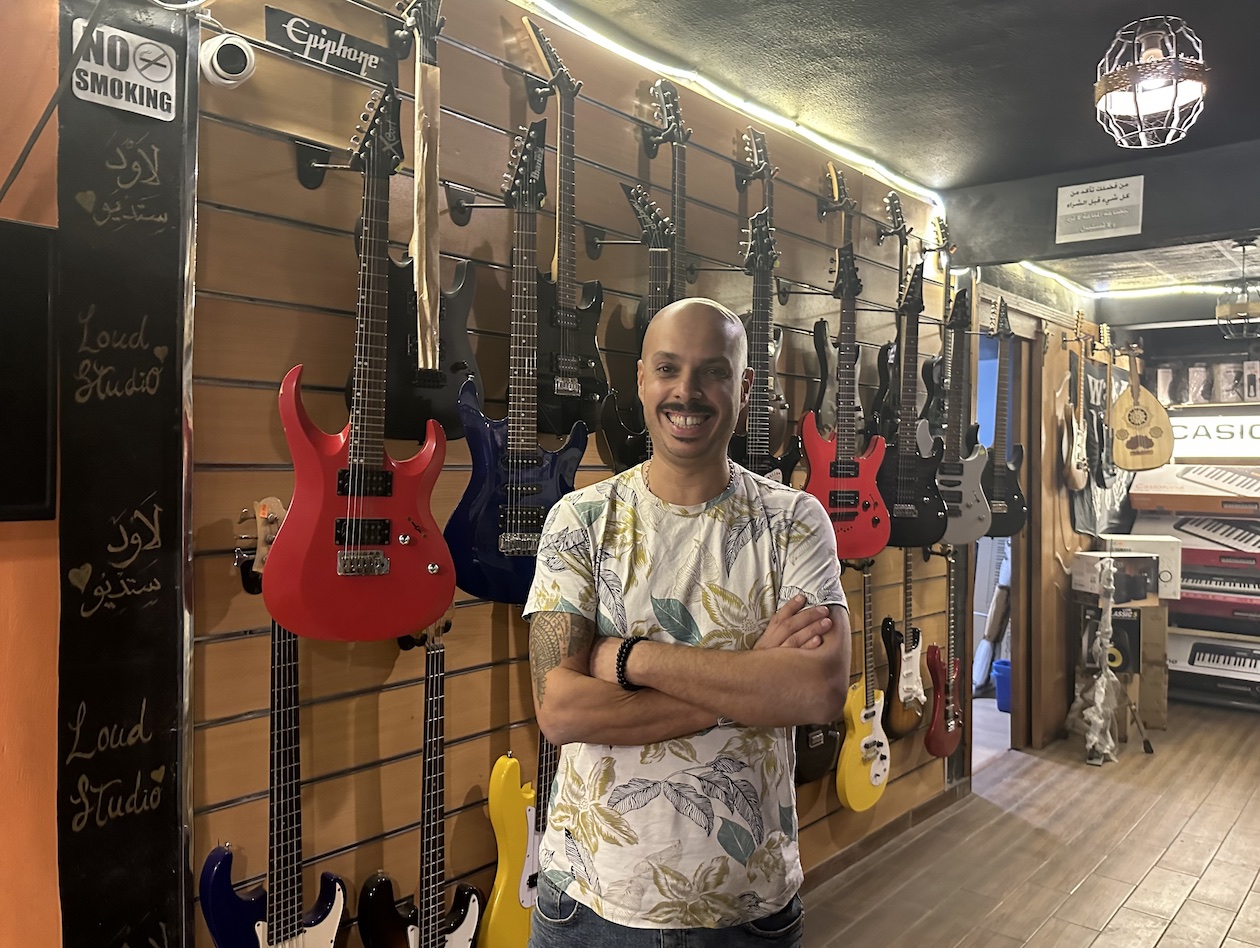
[28, 551]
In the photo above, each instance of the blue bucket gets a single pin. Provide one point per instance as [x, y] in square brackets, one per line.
[1002, 684]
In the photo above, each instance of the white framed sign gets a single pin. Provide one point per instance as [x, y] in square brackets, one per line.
[1099, 209]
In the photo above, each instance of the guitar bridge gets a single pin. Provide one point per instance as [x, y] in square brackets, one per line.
[428, 378]
[362, 563]
[998, 506]
[570, 387]
[518, 544]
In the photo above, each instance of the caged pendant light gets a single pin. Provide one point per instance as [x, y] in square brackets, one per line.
[1151, 83]
[1238, 308]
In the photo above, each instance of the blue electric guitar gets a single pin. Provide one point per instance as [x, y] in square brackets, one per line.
[493, 533]
[274, 915]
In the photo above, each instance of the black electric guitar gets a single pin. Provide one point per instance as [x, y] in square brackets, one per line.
[494, 530]
[883, 418]
[571, 381]
[427, 923]
[906, 479]
[624, 430]
[1000, 481]
[935, 384]
[752, 449]
[428, 357]
[273, 915]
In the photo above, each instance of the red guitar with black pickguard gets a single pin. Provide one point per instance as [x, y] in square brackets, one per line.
[360, 556]
[843, 482]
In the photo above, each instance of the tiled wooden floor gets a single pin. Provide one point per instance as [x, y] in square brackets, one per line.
[990, 732]
[1050, 852]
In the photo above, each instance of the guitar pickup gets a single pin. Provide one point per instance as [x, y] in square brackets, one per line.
[368, 531]
[905, 510]
[518, 544]
[952, 497]
[361, 481]
[564, 364]
[998, 506]
[564, 318]
[843, 498]
[568, 386]
[362, 563]
[527, 519]
[844, 469]
[522, 490]
[428, 378]
[950, 469]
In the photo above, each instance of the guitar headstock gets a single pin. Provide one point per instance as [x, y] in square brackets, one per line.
[421, 17]
[760, 252]
[911, 302]
[833, 181]
[1104, 337]
[669, 113]
[896, 218]
[960, 312]
[757, 156]
[524, 184]
[269, 514]
[848, 285]
[940, 227]
[658, 230]
[376, 146]
[1002, 326]
[561, 81]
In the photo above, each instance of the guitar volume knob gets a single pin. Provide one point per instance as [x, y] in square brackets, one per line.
[404, 539]
[433, 569]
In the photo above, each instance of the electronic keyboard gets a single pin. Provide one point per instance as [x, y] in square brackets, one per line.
[1243, 535]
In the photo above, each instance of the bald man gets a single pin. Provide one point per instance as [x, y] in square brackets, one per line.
[685, 614]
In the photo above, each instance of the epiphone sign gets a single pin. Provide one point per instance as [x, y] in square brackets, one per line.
[331, 46]
[1216, 436]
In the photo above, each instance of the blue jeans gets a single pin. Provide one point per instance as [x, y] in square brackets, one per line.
[560, 921]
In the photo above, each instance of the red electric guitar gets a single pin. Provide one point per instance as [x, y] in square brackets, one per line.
[360, 556]
[946, 728]
[843, 482]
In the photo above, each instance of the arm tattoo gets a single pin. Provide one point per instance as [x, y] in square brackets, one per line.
[554, 636]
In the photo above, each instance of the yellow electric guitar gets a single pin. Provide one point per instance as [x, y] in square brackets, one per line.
[518, 814]
[864, 755]
[1143, 438]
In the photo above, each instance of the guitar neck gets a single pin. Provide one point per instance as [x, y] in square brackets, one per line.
[907, 451]
[432, 905]
[759, 360]
[367, 410]
[1001, 437]
[846, 383]
[678, 211]
[284, 852]
[523, 385]
[658, 279]
[565, 264]
[425, 245]
[868, 638]
[548, 762]
[957, 391]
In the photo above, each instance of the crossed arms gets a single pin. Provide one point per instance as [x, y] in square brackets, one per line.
[797, 673]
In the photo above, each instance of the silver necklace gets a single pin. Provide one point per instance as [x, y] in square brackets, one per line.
[647, 476]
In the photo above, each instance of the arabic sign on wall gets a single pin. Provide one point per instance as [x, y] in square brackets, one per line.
[126, 71]
[1099, 209]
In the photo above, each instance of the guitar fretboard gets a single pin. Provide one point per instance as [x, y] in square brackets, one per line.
[284, 800]
[523, 385]
[678, 212]
[548, 762]
[907, 453]
[431, 904]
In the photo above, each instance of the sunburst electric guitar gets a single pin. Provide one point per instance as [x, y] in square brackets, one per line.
[841, 479]
[518, 814]
[274, 915]
[862, 772]
[904, 698]
[428, 923]
[360, 556]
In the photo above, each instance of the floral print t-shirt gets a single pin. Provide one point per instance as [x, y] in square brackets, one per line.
[697, 832]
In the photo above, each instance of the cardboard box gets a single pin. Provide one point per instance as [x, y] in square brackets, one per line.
[1232, 491]
[1154, 687]
[1167, 548]
[1136, 578]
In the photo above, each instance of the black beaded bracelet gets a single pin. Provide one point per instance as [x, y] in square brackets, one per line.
[623, 653]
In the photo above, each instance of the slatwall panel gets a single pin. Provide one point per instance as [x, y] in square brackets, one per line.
[277, 282]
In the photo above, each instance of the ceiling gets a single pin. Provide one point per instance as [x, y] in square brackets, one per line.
[1214, 262]
[953, 93]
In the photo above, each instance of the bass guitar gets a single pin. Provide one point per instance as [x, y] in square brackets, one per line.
[961, 474]
[360, 556]
[843, 481]
[946, 727]
[862, 772]
[571, 381]
[273, 915]
[428, 357]
[630, 444]
[518, 815]
[1143, 432]
[907, 479]
[1000, 482]
[1075, 459]
[904, 699]
[427, 924]
[493, 532]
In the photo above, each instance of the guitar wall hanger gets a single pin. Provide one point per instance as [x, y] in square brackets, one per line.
[693, 271]
[460, 202]
[537, 91]
[312, 162]
[595, 240]
[946, 552]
